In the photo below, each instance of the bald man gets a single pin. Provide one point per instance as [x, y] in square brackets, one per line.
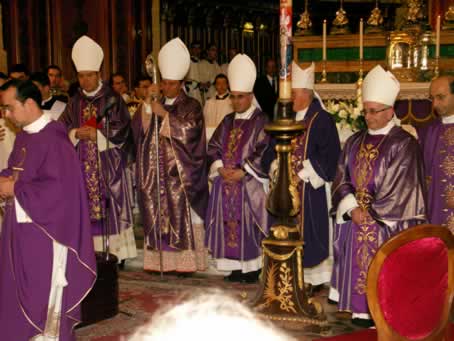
[438, 145]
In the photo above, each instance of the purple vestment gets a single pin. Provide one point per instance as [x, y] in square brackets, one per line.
[183, 182]
[322, 148]
[79, 110]
[438, 147]
[50, 189]
[385, 174]
[237, 219]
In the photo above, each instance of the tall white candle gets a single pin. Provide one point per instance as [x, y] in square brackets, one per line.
[361, 28]
[437, 43]
[324, 40]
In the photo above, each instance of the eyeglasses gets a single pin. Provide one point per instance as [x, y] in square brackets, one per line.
[373, 111]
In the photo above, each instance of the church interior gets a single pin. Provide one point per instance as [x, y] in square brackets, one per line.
[343, 40]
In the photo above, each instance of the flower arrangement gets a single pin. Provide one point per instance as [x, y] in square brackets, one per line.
[347, 115]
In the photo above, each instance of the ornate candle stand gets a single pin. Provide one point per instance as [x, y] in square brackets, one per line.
[281, 295]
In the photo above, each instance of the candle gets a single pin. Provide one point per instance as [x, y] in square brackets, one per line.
[324, 40]
[286, 49]
[437, 43]
[361, 27]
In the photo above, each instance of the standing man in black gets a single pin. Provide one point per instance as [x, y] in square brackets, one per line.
[266, 88]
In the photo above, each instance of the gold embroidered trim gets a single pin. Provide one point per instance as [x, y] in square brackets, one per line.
[366, 238]
[448, 136]
[448, 165]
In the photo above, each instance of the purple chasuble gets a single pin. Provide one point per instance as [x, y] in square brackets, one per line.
[79, 110]
[385, 174]
[183, 181]
[237, 219]
[320, 145]
[438, 146]
[50, 189]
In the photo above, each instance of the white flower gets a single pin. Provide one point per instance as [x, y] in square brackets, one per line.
[356, 113]
[343, 114]
[335, 107]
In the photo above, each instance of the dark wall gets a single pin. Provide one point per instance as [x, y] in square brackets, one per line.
[40, 40]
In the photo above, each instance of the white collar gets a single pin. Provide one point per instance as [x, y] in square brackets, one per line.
[383, 131]
[94, 92]
[270, 78]
[245, 115]
[46, 100]
[447, 119]
[37, 125]
[301, 114]
[170, 101]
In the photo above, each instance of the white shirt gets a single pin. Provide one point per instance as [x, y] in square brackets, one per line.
[246, 114]
[214, 112]
[447, 119]
[383, 131]
[94, 92]
[301, 114]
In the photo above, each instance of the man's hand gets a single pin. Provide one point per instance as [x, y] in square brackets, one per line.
[237, 175]
[224, 172]
[231, 174]
[6, 187]
[152, 94]
[86, 133]
[2, 133]
[158, 109]
[360, 216]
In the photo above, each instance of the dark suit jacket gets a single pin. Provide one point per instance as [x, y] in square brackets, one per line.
[265, 95]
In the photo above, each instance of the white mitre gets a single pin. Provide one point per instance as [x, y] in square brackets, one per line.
[242, 73]
[380, 86]
[303, 78]
[174, 60]
[87, 55]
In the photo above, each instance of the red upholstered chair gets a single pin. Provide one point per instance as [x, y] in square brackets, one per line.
[410, 285]
[410, 288]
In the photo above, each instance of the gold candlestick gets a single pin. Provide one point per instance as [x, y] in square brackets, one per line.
[324, 80]
[437, 69]
[361, 62]
[281, 295]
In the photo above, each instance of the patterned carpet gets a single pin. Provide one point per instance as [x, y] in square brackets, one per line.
[142, 293]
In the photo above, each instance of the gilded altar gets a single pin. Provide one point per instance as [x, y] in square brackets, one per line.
[411, 55]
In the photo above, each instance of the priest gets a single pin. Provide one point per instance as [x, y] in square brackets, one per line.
[85, 119]
[438, 144]
[314, 161]
[47, 261]
[378, 191]
[216, 108]
[237, 219]
[172, 176]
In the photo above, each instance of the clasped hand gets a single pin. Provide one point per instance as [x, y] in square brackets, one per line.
[231, 174]
[6, 187]
[151, 98]
[86, 133]
[360, 216]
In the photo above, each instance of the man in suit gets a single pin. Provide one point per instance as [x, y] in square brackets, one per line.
[266, 88]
